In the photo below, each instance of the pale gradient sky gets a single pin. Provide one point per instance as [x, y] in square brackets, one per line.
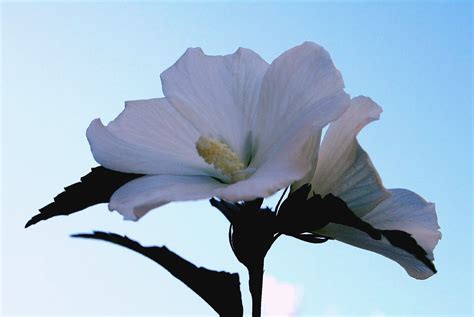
[66, 64]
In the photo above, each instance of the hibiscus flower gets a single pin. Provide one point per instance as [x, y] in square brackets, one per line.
[231, 127]
[408, 224]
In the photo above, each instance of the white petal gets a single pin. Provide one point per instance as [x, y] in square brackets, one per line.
[218, 94]
[148, 137]
[289, 161]
[300, 81]
[403, 210]
[344, 168]
[313, 142]
[134, 199]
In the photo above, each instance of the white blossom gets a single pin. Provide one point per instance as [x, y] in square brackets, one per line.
[345, 170]
[228, 126]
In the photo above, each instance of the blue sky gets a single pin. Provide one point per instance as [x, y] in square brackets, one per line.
[66, 64]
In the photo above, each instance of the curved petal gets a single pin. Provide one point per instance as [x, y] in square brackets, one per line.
[218, 94]
[344, 168]
[405, 211]
[291, 159]
[313, 142]
[134, 199]
[301, 81]
[148, 137]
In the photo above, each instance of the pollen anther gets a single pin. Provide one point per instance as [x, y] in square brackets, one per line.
[220, 155]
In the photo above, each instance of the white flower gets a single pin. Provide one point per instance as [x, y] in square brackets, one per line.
[345, 170]
[229, 126]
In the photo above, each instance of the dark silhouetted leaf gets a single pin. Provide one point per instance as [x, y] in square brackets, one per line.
[221, 290]
[299, 216]
[405, 241]
[94, 188]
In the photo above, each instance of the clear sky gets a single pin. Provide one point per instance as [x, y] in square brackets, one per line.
[66, 64]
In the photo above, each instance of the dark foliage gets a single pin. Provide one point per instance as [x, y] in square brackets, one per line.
[252, 229]
[405, 241]
[299, 216]
[251, 234]
[94, 188]
[221, 290]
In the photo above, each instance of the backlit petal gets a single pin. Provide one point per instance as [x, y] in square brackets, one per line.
[301, 81]
[288, 161]
[344, 168]
[405, 211]
[134, 199]
[217, 94]
[148, 137]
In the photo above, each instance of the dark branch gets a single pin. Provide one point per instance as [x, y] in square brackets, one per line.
[251, 234]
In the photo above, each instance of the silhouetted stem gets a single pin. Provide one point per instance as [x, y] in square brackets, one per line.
[256, 285]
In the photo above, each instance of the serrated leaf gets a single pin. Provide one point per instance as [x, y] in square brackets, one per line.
[94, 188]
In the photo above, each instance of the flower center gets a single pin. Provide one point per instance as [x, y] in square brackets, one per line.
[221, 156]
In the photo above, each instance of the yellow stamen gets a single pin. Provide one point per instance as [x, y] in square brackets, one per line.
[220, 155]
